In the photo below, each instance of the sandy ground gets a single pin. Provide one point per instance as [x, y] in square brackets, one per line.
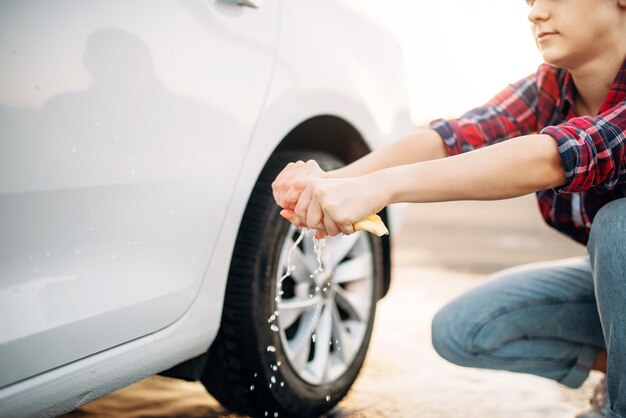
[443, 250]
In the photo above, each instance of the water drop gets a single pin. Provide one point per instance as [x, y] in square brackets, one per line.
[275, 368]
[274, 328]
[273, 379]
[327, 398]
[313, 337]
[282, 384]
[271, 348]
[256, 374]
[251, 387]
[278, 364]
[275, 414]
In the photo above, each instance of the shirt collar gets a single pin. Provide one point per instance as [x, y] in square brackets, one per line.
[565, 102]
[617, 93]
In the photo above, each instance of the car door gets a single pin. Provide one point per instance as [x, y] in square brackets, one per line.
[123, 127]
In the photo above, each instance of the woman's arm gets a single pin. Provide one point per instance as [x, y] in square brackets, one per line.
[509, 169]
[425, 144]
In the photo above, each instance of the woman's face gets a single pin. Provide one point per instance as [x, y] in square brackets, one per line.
[570, 33]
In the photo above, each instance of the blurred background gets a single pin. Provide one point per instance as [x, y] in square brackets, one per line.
[458, 54]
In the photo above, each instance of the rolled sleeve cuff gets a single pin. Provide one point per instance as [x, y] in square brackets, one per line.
[569, 157]
[450, 138]
[579, 373]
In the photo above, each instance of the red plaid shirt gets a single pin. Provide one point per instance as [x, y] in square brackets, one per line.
[592, 149]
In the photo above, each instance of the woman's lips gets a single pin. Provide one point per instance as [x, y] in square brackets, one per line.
[545, 35]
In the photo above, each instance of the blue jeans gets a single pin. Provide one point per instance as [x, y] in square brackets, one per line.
[549, 319]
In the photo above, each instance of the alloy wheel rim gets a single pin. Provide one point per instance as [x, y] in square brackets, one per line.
[323, 315]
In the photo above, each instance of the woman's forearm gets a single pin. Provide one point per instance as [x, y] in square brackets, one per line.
[512, 168]
[423, 145]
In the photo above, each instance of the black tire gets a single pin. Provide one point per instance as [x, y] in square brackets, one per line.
[241, 373]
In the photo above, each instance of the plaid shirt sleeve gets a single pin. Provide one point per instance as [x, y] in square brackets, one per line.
[509, 114]
[592, 149]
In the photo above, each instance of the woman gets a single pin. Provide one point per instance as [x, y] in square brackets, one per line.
[560, 133]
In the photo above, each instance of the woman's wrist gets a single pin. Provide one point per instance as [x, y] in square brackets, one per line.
[381, 187]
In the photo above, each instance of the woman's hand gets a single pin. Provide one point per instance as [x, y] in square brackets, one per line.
[310, 198]
[292, 180]
[332, 206]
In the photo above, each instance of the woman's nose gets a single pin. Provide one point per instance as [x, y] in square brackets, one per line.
[538, 11]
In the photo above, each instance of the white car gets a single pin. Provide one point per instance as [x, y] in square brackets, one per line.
[138, 234]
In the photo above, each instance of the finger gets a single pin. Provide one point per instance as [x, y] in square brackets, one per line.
[303, 204]
[292, 194]
[314, 215]
[346, 229]
[319, 234]
[284, 182]
[287, 214]
[279, 182]
[291, 217]
[330, 226]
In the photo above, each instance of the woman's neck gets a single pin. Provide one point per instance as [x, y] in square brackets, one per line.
[593, 81]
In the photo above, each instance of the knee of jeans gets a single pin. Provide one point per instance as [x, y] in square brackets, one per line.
[608, 231]
[450, 333]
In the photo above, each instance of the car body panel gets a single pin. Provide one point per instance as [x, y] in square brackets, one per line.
[114, 182]
[331, 60]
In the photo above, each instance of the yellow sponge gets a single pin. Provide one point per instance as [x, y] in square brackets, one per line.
[372, 224]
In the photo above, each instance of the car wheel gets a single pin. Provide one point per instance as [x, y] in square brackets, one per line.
[291, 342]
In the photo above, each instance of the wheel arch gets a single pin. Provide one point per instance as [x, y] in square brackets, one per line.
[323, 133]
